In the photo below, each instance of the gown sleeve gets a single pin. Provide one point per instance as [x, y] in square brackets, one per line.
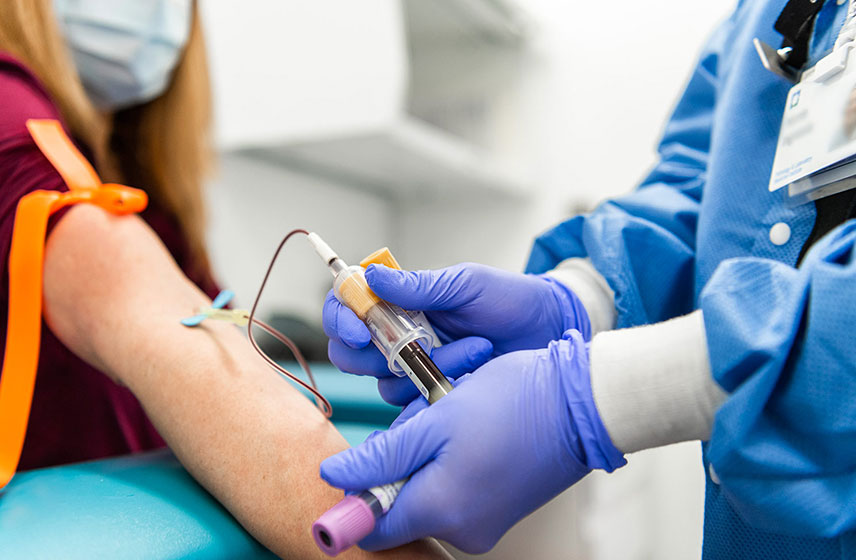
[644, 243]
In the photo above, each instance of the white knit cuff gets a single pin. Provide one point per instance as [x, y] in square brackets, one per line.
[591, 287]
[653, 386]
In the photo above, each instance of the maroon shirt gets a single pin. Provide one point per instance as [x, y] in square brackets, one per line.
[78, 413]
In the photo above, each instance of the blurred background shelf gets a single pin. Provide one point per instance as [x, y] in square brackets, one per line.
[347, 112]
[472, 21]
[408, 158]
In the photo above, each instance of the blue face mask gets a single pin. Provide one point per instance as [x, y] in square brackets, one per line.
[125, 50]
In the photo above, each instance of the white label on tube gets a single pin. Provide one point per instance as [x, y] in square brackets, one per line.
[387, 494]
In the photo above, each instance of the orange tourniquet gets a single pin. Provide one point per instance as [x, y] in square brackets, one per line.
[26, 263]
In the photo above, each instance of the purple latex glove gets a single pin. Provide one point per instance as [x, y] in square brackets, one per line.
[478, 312]
[509, 438]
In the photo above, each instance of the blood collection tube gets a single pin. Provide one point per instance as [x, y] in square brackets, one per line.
[351, 520]
[403, 343]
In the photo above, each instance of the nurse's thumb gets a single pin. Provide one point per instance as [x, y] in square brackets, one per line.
[420, 290]
[387, 457]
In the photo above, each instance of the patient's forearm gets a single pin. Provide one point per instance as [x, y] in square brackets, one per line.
[114, 296]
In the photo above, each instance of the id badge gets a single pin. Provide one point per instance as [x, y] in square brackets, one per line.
[816, 151]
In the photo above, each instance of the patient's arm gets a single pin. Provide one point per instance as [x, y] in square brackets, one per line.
[114, 296]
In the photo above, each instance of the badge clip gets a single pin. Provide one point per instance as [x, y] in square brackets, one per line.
[776, 60]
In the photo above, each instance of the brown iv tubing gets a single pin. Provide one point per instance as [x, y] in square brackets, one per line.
[322, 403]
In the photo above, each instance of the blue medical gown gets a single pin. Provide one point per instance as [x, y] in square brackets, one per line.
[696, 234]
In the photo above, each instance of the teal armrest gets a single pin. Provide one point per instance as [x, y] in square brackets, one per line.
[354, 397]
[147, 506]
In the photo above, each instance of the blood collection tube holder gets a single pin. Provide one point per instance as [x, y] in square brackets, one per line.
[395, 333]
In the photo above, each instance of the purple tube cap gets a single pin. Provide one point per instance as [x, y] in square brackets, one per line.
[343, 525]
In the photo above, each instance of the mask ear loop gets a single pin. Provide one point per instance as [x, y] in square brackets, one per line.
[322, 403]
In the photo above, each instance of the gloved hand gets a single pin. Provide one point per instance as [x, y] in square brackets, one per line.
[509, 438]
[506, 312]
